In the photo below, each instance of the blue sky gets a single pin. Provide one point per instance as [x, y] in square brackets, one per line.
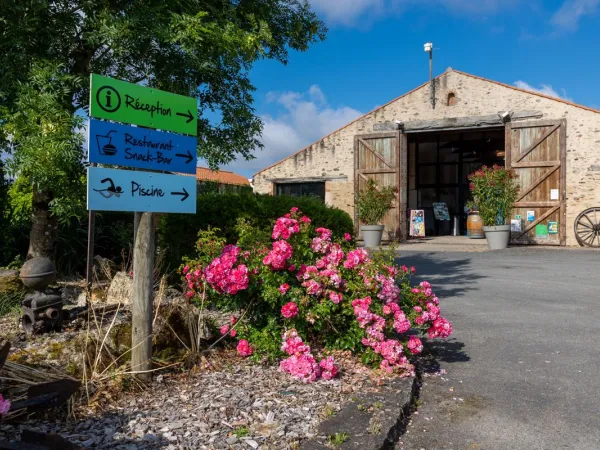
[374, 53]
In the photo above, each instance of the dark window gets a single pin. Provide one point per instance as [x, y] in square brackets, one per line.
[451, 99]
[313, 189]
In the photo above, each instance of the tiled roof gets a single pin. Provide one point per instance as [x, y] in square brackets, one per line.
[423, 85]
[221, 176]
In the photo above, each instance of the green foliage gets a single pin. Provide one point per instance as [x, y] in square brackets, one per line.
[336, 440]
[10, 301]
[200, 48]
[373, 202]
[495, 192]
[240, 216]
[113, 240]
[45, 144]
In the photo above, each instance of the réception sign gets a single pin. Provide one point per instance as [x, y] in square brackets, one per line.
[131, 103]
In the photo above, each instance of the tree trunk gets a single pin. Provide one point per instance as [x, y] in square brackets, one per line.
[44, 227]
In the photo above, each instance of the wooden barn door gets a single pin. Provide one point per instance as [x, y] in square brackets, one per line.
[382, 157]
[537, 153]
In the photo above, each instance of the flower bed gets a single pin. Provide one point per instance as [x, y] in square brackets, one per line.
[308, 292]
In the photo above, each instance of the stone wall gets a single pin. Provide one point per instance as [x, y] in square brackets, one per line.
[332, 159]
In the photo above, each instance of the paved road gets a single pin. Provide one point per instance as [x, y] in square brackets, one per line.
[523, 364]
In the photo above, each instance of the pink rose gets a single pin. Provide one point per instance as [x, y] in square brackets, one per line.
[328, 368]
[243, 348]
[224, 329]
[415, 345]
[284, 288]
[4, 406]
[348, 237]
[289, 310]
[233, 333]
[335, 297]
[294, 209]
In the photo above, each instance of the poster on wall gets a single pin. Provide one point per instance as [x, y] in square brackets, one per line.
[554, 194]
[530, 216]
[515, 225]
[541, 232]
[440, 211]
[417, 223]
[552, 227]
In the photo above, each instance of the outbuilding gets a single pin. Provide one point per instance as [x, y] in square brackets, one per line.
[429, 140]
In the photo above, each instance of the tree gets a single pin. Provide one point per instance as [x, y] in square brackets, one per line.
[201, 48]
[46, 152]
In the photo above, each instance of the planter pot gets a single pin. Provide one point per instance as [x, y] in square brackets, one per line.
[372, 235]
[475, 226]
[497, 237]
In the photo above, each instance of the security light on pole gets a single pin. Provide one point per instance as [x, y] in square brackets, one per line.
[429, 49]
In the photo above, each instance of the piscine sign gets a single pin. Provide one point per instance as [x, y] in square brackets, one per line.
[131, 103]
[143, 148]
[128, 190]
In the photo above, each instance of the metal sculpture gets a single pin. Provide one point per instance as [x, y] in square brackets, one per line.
[42, 310]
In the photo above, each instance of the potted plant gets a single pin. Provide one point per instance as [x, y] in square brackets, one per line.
[495, 191]
[372, 203]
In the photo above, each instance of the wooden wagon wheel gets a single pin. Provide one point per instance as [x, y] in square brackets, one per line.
[587, 228]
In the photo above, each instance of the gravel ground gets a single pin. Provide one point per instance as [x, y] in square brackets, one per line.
[238, 406]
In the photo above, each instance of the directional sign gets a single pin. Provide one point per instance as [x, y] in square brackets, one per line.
[143, 148]
[131, 103]
[128, 190]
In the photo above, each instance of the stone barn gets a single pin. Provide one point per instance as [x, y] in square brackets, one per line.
[429, 140]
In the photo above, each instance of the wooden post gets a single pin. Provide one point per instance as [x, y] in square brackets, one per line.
[143, 267]
[89, 276]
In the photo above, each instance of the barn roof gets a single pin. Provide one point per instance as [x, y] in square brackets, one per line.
[587, 108]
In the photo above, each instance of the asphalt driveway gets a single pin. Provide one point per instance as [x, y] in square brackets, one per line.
[523, 363]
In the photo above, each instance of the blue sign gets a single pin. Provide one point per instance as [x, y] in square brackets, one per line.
[128, 190]
[142, 148]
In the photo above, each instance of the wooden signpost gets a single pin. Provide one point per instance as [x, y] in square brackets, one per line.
[171, 149]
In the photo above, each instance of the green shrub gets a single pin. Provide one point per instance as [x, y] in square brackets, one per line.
[178, 233]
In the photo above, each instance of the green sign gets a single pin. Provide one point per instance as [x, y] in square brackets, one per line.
[131, 103]
[541, 231]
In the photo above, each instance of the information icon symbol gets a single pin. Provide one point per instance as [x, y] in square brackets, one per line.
[108, 99]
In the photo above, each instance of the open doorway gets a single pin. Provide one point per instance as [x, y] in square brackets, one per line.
[439, 165]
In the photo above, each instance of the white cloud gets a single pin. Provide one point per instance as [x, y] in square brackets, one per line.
[545, 89]
[347, 12]
[305, 118]
[568, 16]
[362, 13]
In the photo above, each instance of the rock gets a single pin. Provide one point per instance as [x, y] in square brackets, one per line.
[12, 291]
[120, 290]
[232, 440]
[168, 296]
[9, 281]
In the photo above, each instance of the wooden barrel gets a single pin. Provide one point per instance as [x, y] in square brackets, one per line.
[475, 226]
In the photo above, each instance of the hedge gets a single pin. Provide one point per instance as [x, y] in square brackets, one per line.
[177, 233]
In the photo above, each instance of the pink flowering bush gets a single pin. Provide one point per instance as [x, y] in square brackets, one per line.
[307, 285]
